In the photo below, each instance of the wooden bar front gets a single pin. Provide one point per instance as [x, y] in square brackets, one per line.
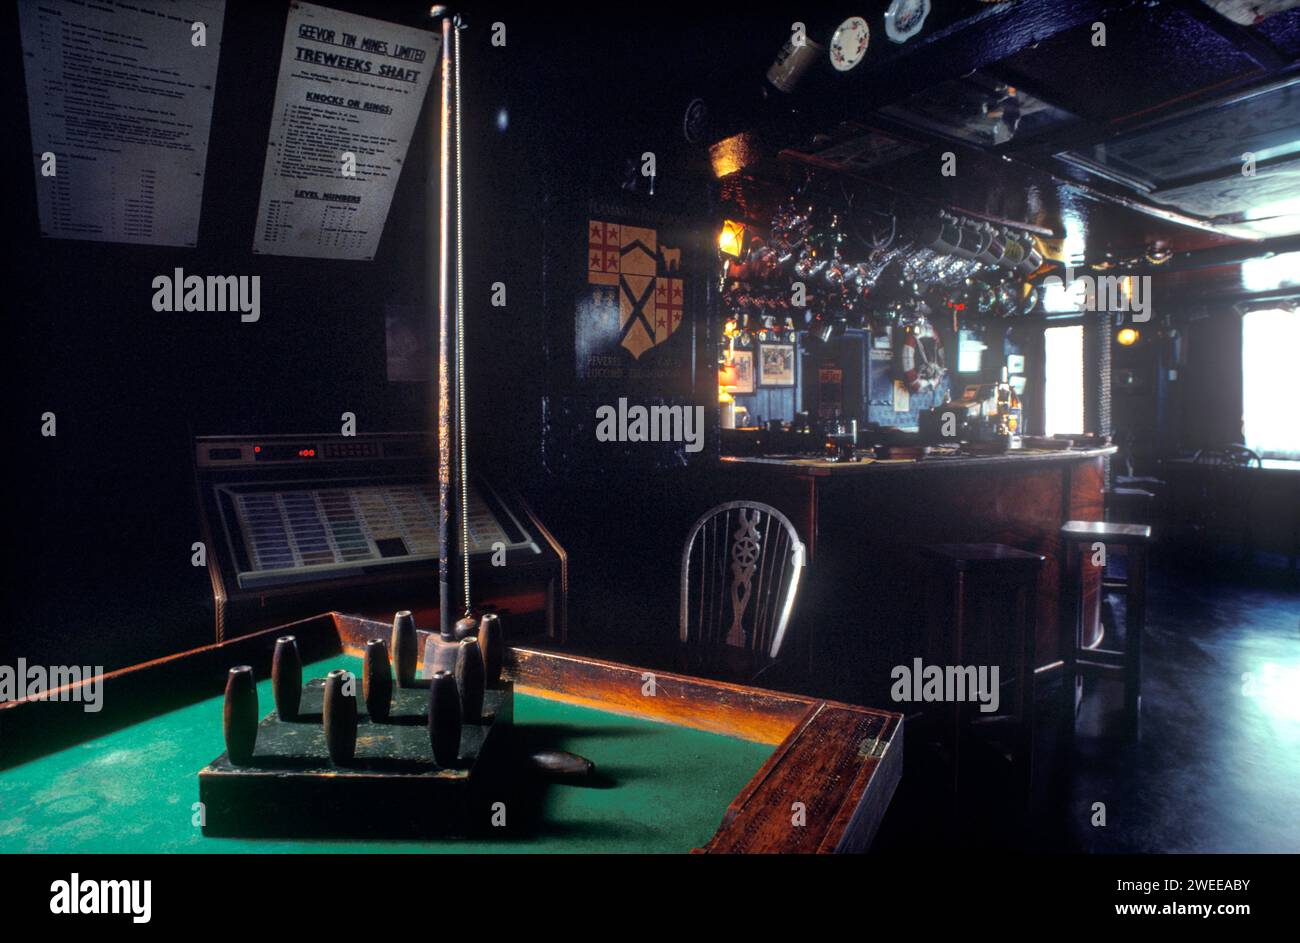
[864, 525]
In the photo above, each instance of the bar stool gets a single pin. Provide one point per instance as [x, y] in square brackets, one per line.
[1134, 539]
[1145, 482]
[980, 584]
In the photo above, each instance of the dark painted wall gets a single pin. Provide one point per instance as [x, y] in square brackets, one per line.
[102, 557]
[1200, 406]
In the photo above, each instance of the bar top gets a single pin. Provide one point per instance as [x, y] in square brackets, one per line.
[818, 468]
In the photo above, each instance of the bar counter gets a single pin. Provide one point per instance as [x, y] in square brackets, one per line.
[818, 467]
[864, 525]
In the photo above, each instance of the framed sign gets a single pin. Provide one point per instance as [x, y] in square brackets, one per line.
[776, 364]
[744, 361]
[830, 391]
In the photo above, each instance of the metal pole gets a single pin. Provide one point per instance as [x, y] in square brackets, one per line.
[446, 370]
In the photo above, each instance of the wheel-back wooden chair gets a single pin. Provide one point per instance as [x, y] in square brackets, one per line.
[741, 567]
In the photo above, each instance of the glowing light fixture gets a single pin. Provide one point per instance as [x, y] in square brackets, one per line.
[733, 154]
[1158, 253]
[731, 241]
[1128, 336]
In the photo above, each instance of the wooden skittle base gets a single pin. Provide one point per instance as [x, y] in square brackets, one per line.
[391, 788]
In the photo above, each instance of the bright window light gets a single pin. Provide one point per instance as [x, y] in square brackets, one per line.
[1270, 274]
[1064, 297]
[1063, 409]
[970, 352]
[1267, 385]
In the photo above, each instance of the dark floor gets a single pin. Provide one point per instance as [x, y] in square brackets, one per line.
[1217, 765]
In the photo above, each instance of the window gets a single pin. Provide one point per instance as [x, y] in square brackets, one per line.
[1270, 338]
[970, 352]
[1063, 405]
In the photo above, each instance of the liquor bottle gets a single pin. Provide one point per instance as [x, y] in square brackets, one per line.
[1009, 408]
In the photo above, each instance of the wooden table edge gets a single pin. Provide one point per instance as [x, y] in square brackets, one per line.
[748, 713]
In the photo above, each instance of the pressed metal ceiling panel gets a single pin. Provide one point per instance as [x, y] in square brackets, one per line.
[978, 109]
[1153, 55]
[1267, 204]
[1207, 141]
[1194, 162]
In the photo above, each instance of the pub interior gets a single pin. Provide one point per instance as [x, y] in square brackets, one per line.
[882, 408]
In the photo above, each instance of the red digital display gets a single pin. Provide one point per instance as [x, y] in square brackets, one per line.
[283, 453]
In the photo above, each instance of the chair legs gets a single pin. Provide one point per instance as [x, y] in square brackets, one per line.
[954, 710]
[1070, 598]
[1134, 628]
[1024, 757]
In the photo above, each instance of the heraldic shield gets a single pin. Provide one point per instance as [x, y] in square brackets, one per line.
[650, 300]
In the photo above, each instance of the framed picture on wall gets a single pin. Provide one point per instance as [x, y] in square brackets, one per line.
[776, 364]
[744, 361]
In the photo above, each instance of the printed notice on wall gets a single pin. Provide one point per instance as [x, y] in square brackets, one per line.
[349, 93]
[120, 101]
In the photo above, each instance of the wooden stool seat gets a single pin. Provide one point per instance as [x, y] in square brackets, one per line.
[1106, 532]
[1077, 537]
[972, 556]
[1139, 481]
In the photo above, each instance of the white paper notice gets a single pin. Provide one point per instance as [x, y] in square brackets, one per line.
[349, 85]
[121, 96]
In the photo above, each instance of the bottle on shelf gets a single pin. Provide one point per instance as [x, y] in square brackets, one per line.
[1009, 409]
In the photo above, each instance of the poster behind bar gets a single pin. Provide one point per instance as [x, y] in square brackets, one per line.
[349, 85]
[120, 102]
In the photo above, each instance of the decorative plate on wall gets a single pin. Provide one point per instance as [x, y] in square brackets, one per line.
[904, 19]
[849, 43]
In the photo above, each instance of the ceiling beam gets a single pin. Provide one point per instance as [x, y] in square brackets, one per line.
[1243, 38]
[988, 36]
[1211, 256]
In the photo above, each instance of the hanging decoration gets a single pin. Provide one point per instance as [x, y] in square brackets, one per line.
[921, 362]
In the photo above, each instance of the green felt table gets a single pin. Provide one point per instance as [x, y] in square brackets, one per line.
[661, 787]
[682, 763]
